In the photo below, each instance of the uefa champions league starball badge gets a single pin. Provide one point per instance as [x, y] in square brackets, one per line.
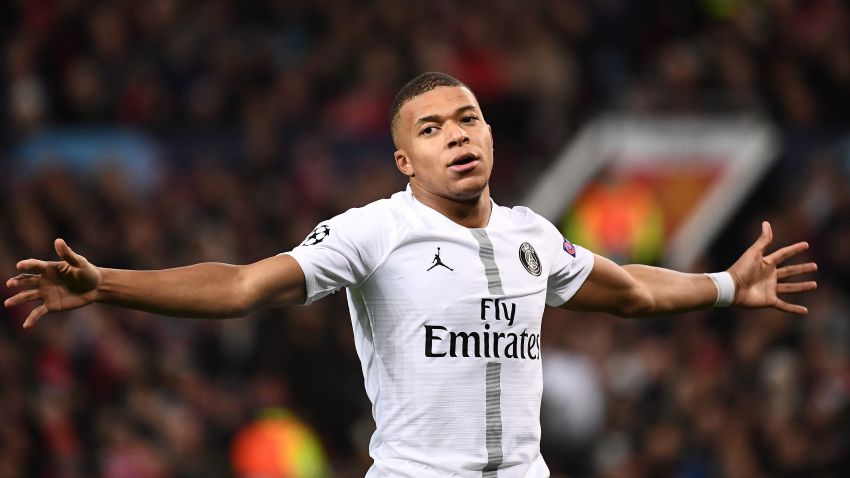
[318, 235]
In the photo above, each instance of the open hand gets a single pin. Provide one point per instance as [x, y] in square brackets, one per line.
[59, 285]
[757, 275]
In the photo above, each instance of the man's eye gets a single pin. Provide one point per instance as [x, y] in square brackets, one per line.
[427, 130]
[469, 119]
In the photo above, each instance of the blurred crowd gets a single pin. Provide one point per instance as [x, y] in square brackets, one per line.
[270, 116]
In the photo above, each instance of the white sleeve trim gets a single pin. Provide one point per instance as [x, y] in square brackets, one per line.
[577, 281]
[309, 277]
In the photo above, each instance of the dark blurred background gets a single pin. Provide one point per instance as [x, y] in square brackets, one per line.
[151, 134]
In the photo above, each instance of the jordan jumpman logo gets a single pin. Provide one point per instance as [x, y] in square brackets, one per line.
[437, 262]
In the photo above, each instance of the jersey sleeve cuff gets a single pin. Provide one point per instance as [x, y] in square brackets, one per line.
[309, 275]
[560, 297]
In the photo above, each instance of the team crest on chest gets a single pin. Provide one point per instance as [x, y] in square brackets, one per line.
[528, 258]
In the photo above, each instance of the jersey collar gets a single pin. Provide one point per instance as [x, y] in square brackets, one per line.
[408, 192]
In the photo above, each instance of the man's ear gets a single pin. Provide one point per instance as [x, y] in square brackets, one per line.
[492, 141]
[402, 162]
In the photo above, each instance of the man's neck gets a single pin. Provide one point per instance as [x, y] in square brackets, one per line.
[474, 213]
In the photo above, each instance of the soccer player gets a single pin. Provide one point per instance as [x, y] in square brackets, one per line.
[446, 291]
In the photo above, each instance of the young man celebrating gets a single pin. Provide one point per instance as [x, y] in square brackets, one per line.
[446, 291]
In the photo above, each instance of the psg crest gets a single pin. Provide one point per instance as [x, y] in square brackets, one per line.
[318, 235]
[529, 259]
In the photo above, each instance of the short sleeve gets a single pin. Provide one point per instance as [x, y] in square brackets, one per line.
[571, 264]
[342, 252]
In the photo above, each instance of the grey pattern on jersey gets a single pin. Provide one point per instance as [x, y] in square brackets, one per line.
[493, 413]
[485, 253]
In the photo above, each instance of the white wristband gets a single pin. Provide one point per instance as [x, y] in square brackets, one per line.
[725, 288]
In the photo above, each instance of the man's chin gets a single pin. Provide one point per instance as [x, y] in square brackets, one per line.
[468, 190]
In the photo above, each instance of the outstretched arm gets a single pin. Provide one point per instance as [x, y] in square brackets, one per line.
[202, 290]
[638, 290]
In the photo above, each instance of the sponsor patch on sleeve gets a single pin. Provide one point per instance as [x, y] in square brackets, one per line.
[569, 247]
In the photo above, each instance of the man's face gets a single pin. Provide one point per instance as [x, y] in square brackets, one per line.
[445, 147]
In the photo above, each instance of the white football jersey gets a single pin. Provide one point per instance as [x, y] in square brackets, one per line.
[447, 327]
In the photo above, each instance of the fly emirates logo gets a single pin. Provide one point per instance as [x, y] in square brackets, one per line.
[442, 342]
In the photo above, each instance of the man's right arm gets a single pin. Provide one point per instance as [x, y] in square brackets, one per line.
[207, 290]
[210, 290]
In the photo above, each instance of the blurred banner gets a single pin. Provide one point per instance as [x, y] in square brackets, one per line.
[91, 150]
[654, 190]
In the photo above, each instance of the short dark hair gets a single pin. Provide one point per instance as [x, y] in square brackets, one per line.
[417, 86]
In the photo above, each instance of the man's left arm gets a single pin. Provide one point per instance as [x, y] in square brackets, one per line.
[638, 290]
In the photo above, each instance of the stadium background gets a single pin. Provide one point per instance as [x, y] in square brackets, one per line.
[240, 125]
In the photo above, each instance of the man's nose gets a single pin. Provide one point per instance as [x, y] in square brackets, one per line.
[456, 135]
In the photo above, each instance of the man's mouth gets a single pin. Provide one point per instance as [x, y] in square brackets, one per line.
[463, 162]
